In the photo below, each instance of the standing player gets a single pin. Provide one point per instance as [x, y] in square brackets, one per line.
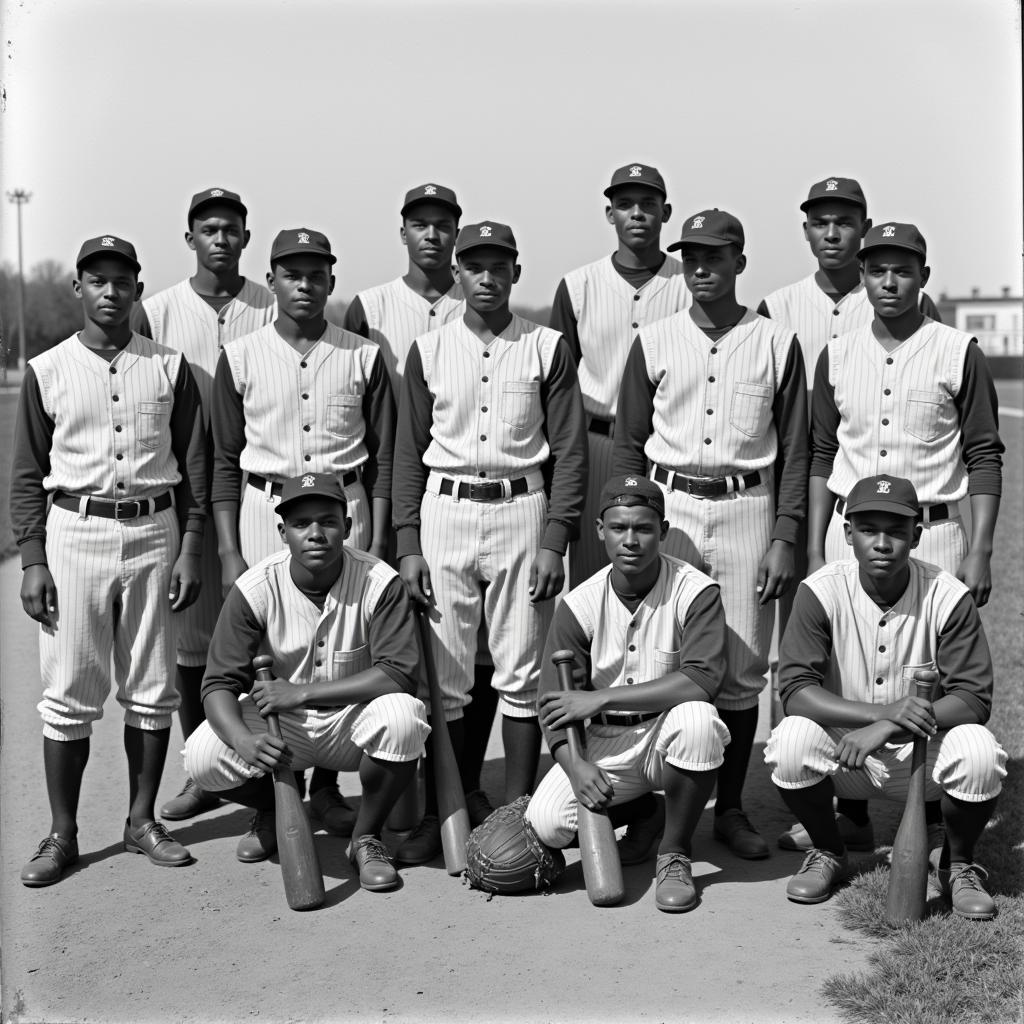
[338, 625]
[650, 632]
[714, 398]
[300, 395]
[598, 308]
[490, 471]
[872, 625]
[196, 317]
[108, 500]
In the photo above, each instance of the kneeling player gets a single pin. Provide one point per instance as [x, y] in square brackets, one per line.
[338, 625]
[652, 631]
[878, 622]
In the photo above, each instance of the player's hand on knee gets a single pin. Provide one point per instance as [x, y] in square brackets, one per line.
[415, 575]
[913, 714]
[853, 748]
[547, 574]
[975, 572]
[186, 581]
[775, 571]
[264, 751]
[39, 595]
[590, 784]
[274, 695]
[232, 565]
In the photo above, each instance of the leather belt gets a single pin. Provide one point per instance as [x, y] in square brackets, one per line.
[485, 490]
[603, 427]
[706, 487]
[105, 508]
[260, 483]
[929, 513]
[622, 718]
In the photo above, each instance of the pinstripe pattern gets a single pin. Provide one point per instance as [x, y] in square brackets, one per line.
[115, 622]
[396, 316]
[966, 762]
[391, 728]
[898, 414]
[179, 318]
[689, 736]
[111, 435]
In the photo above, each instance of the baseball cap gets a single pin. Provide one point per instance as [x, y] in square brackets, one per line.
[310, 485]
[637, 174]
[108, 245]
[883, 494]
[632, 490]
[847, 190]
[439, 194]
[489, 233]
[894, 236]
[216, 195]
[304, 241]
[710, 227]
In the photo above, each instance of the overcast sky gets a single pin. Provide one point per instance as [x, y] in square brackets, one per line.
[321, 113]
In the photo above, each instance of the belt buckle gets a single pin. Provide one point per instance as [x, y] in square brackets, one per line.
[132, 515]
[487, 490]
[698, 488]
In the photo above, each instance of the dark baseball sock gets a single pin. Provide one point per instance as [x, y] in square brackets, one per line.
[147, 752]
[933, 812]
[964, 824]
[686, 795]
[813, 809]
[521, 739]
[638, 809]
[479, 719]
[188, 681]
[383, 783]
[256, 793]
[855, 810]
[733, 773]
[64, 764]
[322, 778]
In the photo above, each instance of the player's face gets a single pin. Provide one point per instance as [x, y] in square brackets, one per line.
[710, 271]
[107, 287]
[302, 285]
[893, 279]
[487, 276]
[881, 542]
[218, 237]
[632, 536]
[637, 214]
[428, 232]
[834, 230]
[315, 530]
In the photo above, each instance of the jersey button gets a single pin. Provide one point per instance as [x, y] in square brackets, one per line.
[483, 437]
[707, 440]
[885, 423]
[120, 487]
[636, 298]
[629, 680]
[113, 369]
[482, 473]
[119, 456]
[636, 324]
[307, 428]
[308, 458]
[632, 647]
[303, 364]
[883, 453]
[483, 408]
[114, 398]
[485, 379]
[433, 312]
[835, 336]
[319, 643]
[220, 320]
[710, 411]
[835, 312]
[117, 429]
[487, 355]
[879, 681]
[887, 391]
[714, 351]
[318, 662]
[882, 622]
[305, 397]
[888, 361]
[711, 379]
[881, 648]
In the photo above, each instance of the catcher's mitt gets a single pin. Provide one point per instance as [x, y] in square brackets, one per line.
[504, 855]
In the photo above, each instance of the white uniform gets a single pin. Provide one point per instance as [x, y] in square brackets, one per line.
[178, 317]
[608, 310]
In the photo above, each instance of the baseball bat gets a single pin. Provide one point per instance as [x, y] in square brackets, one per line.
[451, 800]
[908, 875]
[602, 869]
[300, 868]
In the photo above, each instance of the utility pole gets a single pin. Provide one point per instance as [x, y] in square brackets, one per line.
[19, 197]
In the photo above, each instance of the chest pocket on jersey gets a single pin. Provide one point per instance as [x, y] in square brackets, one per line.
[348, 663]
[152, 419]
[344, 415]
[665, 662]
[520, 404]
[751, 406]
[924, 415]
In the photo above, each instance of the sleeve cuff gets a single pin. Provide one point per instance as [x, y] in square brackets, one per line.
[407, 542]
[785, 529]
[33, 552]
[556, 537]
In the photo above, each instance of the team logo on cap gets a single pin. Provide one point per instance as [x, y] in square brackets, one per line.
[430, 190]
[636, 171]
[889, 230]
[304, 240]
[308, 481]
[216, 191]
[884, 487]
[698, 223]
[831, 185]
[630, 481]
[485, 231]
[108, 241]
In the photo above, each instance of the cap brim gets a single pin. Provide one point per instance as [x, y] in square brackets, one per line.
[109, 254]
[892, 245]
[895, 507]
[486, 243]
[808, 203]
[712, 240]
[219, 201]
[282, 506]
[612, 189]
[303, 250]
[432, 200]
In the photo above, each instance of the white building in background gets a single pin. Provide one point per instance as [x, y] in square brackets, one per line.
[996, 321]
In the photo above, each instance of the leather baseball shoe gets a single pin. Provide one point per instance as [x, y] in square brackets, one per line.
[674, 891]
[48, 864]
[478, 806]
[642, 835]
[423, 843]
[332, 810]
[157, 844]
[967, 893]
[819, 874]
[189, 802]
[855, 837]
[371, 859]
[260, 842]
[733, 828]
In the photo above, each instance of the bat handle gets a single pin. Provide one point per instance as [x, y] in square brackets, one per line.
[564, 662]
[264, 666]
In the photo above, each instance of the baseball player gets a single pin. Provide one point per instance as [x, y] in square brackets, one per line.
[196, 316]
[300, 395]
[108, 502]
[598, 309]
[338, 625]
[650, 632]
[862, 631]
[714, 398]
[489, 480]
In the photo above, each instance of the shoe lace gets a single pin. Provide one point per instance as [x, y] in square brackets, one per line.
[158, 831]
[257, 823]
[189, 787]
[51, 844]
[817, 859]
[970, 877]
[676, 867]
[373, 848]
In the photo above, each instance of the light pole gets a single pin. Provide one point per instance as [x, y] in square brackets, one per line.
[19, 197]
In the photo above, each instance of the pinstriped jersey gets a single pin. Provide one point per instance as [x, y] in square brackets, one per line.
[870, 645]
[487, 408]
[713, 403]
[897, 409]
[302, 405]
[608, 311]
[111, 420]
[178, 317]
[396, 316]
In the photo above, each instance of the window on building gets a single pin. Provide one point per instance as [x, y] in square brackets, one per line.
[980, 323]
